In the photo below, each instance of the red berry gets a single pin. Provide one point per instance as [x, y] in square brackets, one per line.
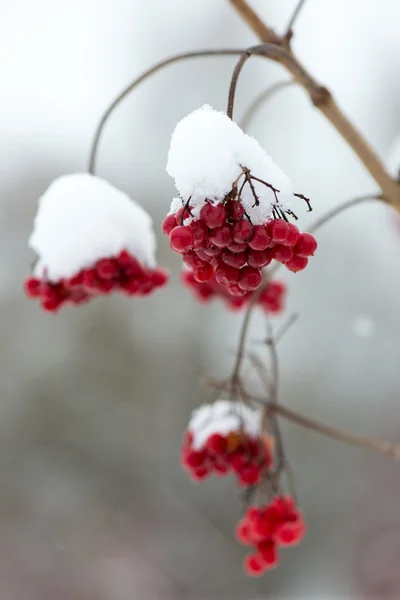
[293, 235]
[278, 230]
[306, 245]
[181, 238]
[107, 268]
[291, 533]
[221, 236]
[236, 247]
[168, 224]
[199, 229]
[202, 255]
[159, 277]
[269, 553]
[253, 565]
[297, 263]
[192, 260]
[258, 259]
[283, 253]
[249, 475]
[240, 295]
[203, 273]
[32, 287]
[235, 210]
[234, 260]
[242, 231]
[260, 239]
[194, 458]
[242, 533]
[213, 215]
[182, 214]
[212, 251]
[217, 443]
[226, 275]
[200, 473]
[250, 279]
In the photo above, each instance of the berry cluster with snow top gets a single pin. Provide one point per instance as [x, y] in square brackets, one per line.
[91, 239]
[225, 437]
[230, 219]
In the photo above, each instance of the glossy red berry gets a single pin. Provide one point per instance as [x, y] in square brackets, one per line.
[242, 231]
[258, 259]
[293, 235]
[32, 287]
[234, 260]
[181, 238]
[226, 275]
[278, 230]
[203, 273]
[283, 253]
[250, 279]
[306, 245]
[107, 268]
[261, 239]
[168, 224]
[213, 215]
[297, 263]
[253, 565]
[221, 236]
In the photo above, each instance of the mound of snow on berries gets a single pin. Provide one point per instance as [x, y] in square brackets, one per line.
[81, 219]
[223, 417]
[207, 154]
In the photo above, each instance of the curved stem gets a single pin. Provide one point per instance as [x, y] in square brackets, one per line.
[341, 208]
[151, 71]
[324, 101]
[259, 101]
[293, 18]
[280, 54]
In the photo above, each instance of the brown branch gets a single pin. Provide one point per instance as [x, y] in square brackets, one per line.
[338, 434]
[323, 100]
[151, 71]
[289, 29]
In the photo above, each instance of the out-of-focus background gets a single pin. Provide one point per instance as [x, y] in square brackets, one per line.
[93, 401]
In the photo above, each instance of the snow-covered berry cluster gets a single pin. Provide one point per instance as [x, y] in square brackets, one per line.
[91, 239]
[280, 523]
[271, 298]
[230, 219]
[224, 438]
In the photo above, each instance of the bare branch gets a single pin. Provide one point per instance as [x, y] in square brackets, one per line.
[323, 100]
[292, 20]
[341, 208]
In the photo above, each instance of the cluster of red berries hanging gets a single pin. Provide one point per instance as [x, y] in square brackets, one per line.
[280, 523]
[225, 438]
[228, 223]
[91, 240]
[271, 298]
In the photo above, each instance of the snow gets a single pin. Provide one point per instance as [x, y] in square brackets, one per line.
[82, 218]
[223, 417]
[206, 156]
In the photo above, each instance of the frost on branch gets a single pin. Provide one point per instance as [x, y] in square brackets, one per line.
[225, 437]
[90, 239]
[231, 217]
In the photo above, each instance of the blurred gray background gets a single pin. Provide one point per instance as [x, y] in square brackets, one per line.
[93, 401]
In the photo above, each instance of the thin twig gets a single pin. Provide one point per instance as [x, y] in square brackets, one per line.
[292, 20]
[283, 329]
[151, 71]
[324, 101]
[341, 208]
[338, 434]
[260, 100]
[280, 54]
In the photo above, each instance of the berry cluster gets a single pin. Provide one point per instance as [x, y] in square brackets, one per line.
[122, 274]
[271, 298]
[223, 243]
[248, 458]
[280, 523]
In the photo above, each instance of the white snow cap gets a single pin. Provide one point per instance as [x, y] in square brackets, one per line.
[81, 219]
[206, 155]
[223, 417]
